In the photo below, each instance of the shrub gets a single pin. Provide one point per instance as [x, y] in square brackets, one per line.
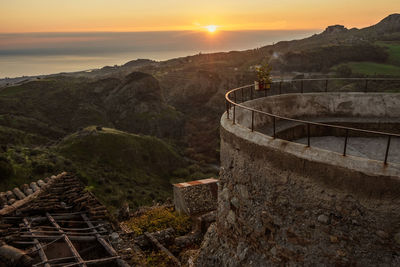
[42, 167]
[181, 173]
[159, 218]
[159, 259]
[6, 169]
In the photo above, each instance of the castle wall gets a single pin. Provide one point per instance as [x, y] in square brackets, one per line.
[281, 203]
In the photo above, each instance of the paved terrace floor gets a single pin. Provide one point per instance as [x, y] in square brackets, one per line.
[372, 148]
[366, 147]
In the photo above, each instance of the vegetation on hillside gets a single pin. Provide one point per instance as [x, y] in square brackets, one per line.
[118, 167]
[321, 59]
[122, 167]
[167, 113]
[368, 69]
[393, 49]
[159, 218]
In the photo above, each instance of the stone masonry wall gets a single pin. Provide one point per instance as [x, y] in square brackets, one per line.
[279, 206]
[196, 197]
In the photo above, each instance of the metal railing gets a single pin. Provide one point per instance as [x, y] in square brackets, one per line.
[248, 92]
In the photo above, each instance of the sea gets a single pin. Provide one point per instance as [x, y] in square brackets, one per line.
[30, 54]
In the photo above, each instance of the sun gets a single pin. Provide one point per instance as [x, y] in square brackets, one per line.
[211, 28]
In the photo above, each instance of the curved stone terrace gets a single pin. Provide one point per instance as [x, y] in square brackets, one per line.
[298, 184]
[354, 117]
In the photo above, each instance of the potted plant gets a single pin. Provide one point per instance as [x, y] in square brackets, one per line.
[264, 77]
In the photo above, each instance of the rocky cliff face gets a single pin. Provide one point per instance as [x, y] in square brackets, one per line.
[335, 29]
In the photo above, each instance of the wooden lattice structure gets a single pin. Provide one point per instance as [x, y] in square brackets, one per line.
[60, 224]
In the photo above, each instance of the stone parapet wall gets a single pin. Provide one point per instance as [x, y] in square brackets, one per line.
[281, 203]
[372, 105]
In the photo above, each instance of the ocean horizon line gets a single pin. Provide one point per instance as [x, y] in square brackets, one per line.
[36, 54]
[161, 31]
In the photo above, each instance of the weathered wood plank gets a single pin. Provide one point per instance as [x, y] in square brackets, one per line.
[38, 246]
[104, 243]
[67, 240]
[162, 248]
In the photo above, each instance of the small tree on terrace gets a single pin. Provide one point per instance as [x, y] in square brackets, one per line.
[264, 76]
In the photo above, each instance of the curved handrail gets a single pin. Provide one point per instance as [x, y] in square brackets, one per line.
[308, 123]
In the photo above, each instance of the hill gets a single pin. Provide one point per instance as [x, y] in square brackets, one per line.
[53, 107]
[179, 101]
[119, 166]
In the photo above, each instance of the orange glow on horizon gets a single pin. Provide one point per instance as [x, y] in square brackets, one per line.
[176, 15]
[211, 28]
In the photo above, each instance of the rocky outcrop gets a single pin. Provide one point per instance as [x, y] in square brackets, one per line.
[390, 24]
[335, 29]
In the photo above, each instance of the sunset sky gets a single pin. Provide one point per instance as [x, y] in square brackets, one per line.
[164, 15]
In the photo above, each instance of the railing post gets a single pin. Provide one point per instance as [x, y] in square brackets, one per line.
[326, 85]
[387, 149]
[301, 86]
[366, 85]
[345, 142]
[242, 95]
[252, 120]
[280, 87]
[234, 113]
[227, 109]
[234, 96]
[308, 135]
[274, 127]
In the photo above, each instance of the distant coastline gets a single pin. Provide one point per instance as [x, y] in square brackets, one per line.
[31, 54]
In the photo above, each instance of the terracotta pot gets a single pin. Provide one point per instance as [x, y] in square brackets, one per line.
[261, 85]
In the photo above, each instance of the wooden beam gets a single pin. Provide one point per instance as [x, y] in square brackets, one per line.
[104, 243]
[66, 232]
[53, 260]
[65, 258]
[78, 257]
[53, 237]
[162, 248]
[38, 246]
[64, 228]
[88, 262]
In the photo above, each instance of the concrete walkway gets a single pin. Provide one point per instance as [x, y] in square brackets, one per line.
[372, 148]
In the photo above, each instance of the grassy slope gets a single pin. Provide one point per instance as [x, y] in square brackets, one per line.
[394, 52]
[373, 69]
[122, 167]
[115, 165]
[390, 68]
